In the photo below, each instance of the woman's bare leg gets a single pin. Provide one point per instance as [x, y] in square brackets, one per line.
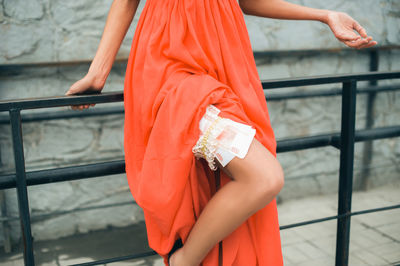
[256, 180]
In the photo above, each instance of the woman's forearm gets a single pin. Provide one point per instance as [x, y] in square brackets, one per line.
[282, 10]
[118, 21]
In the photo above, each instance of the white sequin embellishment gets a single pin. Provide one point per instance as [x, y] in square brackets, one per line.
[221, 138]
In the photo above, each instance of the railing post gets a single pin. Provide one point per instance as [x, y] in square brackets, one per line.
[364, 177]
[346, 171]
[217, 175]
[22, 192]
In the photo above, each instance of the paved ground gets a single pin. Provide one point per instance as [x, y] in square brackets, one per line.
[374, 238]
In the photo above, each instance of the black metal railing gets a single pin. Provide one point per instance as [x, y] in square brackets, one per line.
[343, 140]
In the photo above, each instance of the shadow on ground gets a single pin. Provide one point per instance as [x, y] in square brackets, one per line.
[95, 245]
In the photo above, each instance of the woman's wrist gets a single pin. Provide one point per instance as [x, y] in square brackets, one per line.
[324, 15]
[101, 66]
[97, 79]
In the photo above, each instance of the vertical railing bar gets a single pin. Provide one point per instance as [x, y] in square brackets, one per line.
[364, 177]
[4, 225]
[22, 192]
[346, 171]
[217, 175]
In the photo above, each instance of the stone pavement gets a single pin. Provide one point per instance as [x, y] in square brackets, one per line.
[374, 237]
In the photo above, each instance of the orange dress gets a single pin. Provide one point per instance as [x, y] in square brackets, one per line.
[185, 55]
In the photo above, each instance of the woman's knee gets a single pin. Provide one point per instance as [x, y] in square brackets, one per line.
[276, 180]
[259, 168]
[267, 179]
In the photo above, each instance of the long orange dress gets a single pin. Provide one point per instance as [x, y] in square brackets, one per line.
[185, 55]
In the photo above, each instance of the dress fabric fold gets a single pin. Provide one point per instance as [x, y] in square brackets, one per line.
[185, 55]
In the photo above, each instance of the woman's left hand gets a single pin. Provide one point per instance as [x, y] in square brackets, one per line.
[343, 26]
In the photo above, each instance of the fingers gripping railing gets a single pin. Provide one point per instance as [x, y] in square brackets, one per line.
[344, 140]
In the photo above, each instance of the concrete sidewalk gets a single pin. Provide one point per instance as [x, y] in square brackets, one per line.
[374, 237]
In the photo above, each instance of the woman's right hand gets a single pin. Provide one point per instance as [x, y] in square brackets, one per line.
[119, 18]
[343, 26]
[89, 83]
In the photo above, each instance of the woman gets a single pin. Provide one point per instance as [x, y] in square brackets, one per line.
[192, 91]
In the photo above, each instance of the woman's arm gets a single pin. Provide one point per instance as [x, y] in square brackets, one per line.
[281, 10]
[118, 21]
[341, 24]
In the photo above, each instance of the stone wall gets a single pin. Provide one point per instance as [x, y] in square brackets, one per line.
[56, 30]
[60, 32]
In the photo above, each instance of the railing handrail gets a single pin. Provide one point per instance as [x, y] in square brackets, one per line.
[326, 79]
[114, 110]
[117, 96]
[64, 100]
[257, 54]
[93, 170]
